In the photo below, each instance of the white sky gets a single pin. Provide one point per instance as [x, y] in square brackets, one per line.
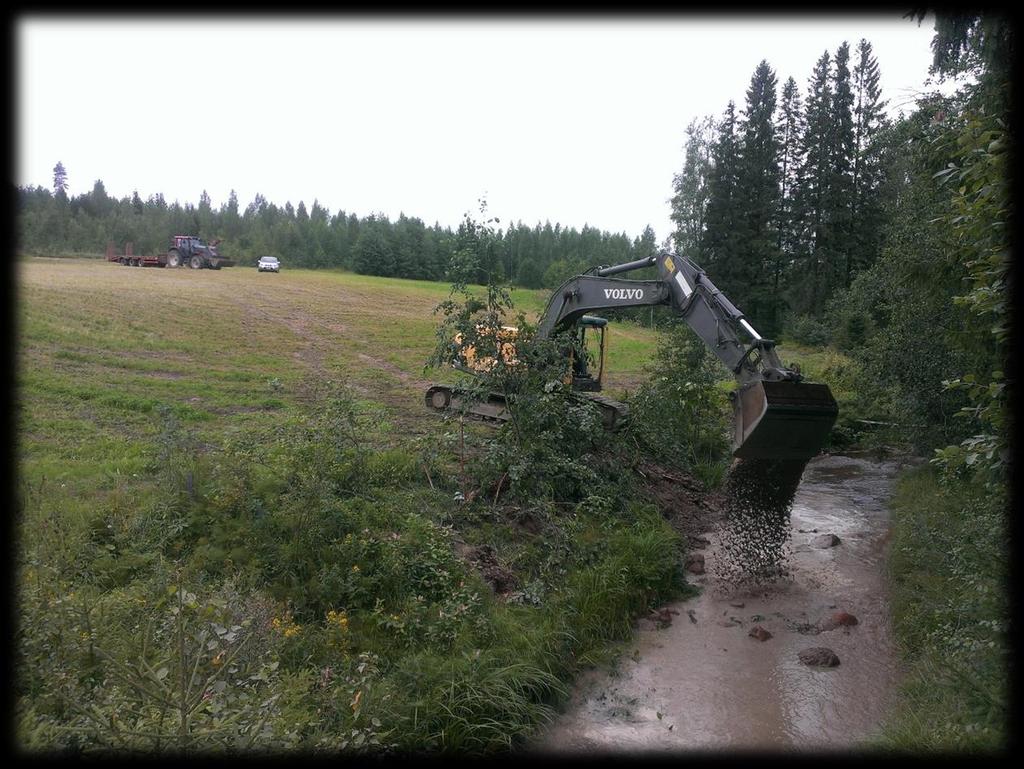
[578, 121]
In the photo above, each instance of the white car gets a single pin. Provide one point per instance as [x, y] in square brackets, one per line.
[268, 264]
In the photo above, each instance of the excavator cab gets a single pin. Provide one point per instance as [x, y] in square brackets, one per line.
[583, 376]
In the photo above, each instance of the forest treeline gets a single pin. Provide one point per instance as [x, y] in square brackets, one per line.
[829, 221]
[531, 257]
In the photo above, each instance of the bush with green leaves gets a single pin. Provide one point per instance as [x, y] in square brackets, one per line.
[679, 415]
[807, 330]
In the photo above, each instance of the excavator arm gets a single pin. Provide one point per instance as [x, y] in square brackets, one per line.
[687, 289]
[776, 414]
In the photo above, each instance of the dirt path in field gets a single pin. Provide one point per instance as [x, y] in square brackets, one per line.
[320, 338]
[704, 683]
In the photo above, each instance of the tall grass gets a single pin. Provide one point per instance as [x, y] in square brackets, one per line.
[949, 571]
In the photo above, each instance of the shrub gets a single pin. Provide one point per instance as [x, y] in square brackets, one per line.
[680, 415]
[806, 329]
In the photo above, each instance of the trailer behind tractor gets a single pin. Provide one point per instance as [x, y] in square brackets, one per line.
[185, 250]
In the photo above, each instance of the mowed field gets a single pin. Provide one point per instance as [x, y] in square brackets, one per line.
[101, 346]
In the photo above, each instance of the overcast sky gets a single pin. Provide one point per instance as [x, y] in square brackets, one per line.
[578, 121]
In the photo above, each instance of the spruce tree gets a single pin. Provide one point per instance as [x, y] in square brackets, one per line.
[868, 122]
[789, 129]
[842, 146]
[719, 242]
[758, 196]
[807, 290]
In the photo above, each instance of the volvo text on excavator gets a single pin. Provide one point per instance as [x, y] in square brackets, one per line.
[776, 414]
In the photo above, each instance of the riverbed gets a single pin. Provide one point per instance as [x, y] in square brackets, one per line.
[704, 683]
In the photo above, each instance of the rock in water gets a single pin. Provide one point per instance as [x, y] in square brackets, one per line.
[819, 656]
[695, 563]
[826, 540]
[759, 633]
[839, 619]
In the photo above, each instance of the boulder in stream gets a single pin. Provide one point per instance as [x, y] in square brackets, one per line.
[839, 619]
[819, 656]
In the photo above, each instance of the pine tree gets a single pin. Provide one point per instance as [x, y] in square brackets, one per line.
[60, 182]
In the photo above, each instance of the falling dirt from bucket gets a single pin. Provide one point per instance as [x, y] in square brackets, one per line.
[755, 530]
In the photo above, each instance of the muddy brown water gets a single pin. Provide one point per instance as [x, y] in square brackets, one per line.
[702, 683]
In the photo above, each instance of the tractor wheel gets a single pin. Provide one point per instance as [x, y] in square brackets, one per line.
[122, 261]
[174, 258]
[196, 263]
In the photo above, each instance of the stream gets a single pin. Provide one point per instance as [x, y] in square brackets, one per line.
[704, 683]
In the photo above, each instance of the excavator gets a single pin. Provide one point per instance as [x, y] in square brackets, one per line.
[776, 414]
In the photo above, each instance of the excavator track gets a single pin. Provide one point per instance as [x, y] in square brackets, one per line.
[614, 413]
[444, 398]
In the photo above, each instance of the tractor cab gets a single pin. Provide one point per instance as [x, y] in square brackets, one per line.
[190, 244]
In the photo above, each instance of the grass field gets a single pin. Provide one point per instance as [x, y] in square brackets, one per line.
[99, 346]
[176, 432]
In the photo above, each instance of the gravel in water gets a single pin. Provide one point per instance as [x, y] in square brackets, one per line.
[755, 530]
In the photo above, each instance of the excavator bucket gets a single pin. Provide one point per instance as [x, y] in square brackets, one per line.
[782, 420]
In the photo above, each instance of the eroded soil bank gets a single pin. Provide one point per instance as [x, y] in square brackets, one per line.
[703, 682]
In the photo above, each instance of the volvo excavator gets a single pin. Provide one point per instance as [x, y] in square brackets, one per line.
[776, 414]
